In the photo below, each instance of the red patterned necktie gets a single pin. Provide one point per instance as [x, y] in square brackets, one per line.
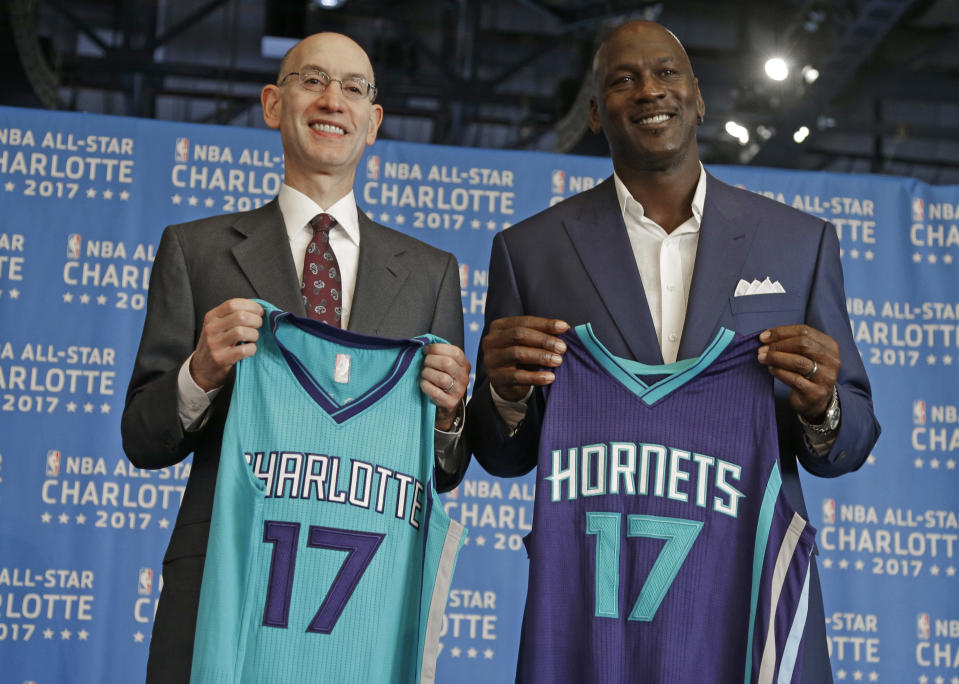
[321, 288]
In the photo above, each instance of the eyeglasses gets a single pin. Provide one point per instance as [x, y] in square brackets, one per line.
[353, 88]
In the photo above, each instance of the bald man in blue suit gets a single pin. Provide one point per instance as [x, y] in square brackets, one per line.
[657, 258]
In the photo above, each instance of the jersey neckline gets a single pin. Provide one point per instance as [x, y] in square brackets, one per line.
[629, 373]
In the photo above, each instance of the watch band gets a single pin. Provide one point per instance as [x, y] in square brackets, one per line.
[831, 420]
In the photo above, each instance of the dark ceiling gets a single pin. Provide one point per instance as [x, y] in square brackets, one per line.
[510, 74]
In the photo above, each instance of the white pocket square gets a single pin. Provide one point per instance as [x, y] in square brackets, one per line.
[767, 286]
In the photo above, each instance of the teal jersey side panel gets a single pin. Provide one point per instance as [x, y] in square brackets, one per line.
[326, 537]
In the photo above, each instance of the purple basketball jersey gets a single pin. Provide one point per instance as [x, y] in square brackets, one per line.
[662, 548]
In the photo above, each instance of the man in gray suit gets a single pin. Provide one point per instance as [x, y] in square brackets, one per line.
[200, 318]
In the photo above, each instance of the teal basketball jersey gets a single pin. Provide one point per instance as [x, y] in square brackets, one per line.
[330, 554]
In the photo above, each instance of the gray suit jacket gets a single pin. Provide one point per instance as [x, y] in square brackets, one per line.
[404, 288]
[574, 261]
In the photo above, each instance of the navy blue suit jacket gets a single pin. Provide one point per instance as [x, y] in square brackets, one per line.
[574, 262]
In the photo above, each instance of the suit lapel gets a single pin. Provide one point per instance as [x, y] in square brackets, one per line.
[599, 236]
[380, 276]
[264, 257]
[724, 240]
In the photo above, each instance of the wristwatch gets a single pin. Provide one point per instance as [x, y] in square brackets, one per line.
[831, 420]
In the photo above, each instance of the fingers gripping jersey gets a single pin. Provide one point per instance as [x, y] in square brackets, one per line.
[662, 549]
[330, 556]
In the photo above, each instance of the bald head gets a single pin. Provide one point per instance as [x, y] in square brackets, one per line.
[636, 31]
[327, 41]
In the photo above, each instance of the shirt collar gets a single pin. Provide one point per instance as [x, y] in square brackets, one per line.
[630, 207]
[299, 209]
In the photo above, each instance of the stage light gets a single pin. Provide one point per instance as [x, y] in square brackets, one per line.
[777, 69]
[801, 134]
[810, 73]
[738, 132]
[328, 4]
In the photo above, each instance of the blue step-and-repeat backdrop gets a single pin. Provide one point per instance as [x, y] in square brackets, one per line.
[83, 200]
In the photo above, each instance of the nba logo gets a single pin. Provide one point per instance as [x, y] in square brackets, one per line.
[74, 240]
[829, 511]
[464, 276]
[145, 581]
[373, 167]
[181, 152]
[919, 412]
[922, 626]
[559, 181]
[918, 212]
[53, 463]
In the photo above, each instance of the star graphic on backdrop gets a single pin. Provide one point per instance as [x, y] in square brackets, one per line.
[163, 523]
[917, 463]
[934, 463]
[491, 225]
[176, 199]
[384, 217]
[841, 674]
[475, 223]
[954, 680]
[80, 518]
[83, 634]
[923, 679]
[843, 564]
[931, 359]
[66, 634]
[72, 407]
[947, 360]
[101, 299]
[488, 654]
[827, 562]
[931, 258]
[63, 518]
[474, 326]
[48, 633]
[916, 257]
[400, 219]
[951, 464]
[67, 297]
[934, 570]
[480, 540]
[854, 253]
[104, 408]
[84, 298]
[455, 652]
[857, 675]
[14, 293]
[124, 195]
[873, 676]
[193, 200]
[947, 258]
[870, 255]
[88, 407]
[9, 187]
[940, 680]
[138, 637]
[208, 202]
[472, 652]
[46, 517]
[871, 459]
[107, 194]
[91, 193]
[860, 565]
[506, 224]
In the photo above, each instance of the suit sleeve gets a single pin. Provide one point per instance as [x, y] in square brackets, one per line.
[152, 434]
[496, 450]
[859, 429]
[448, 324]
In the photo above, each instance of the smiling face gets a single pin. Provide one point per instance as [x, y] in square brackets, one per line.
[323, 134]
[646, 101]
